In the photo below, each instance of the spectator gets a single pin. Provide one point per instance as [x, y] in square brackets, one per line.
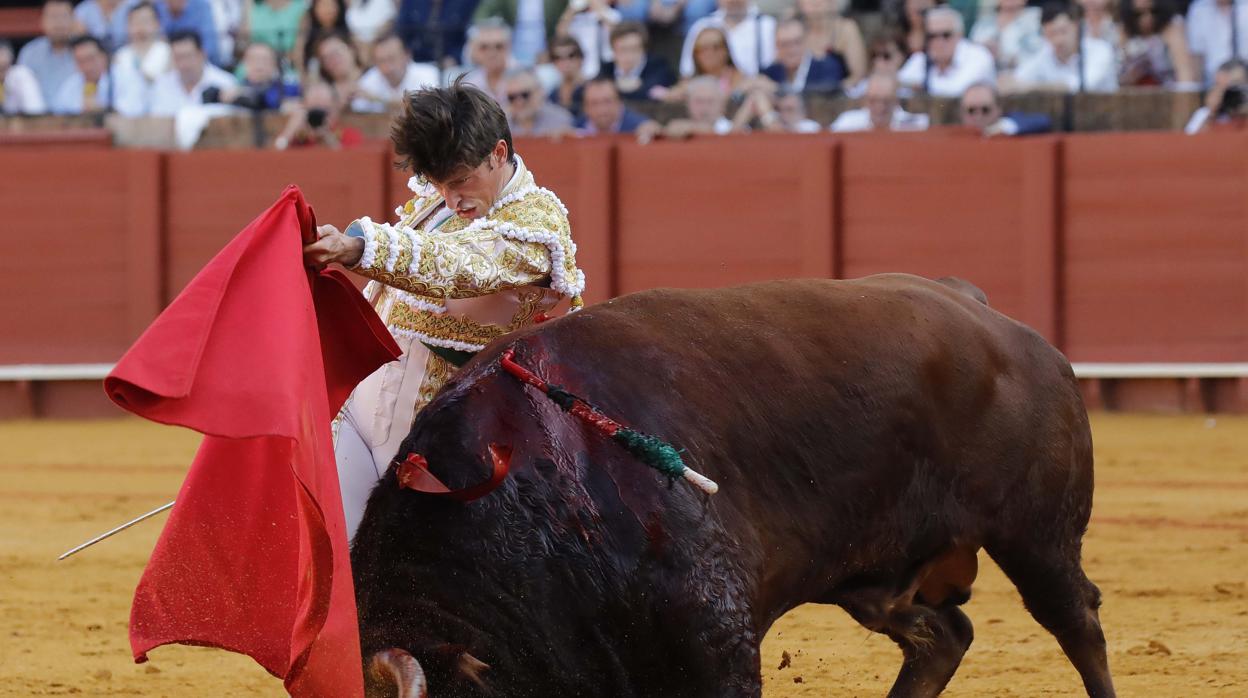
[106, 20]
[50, 56]
[368, 20]
[1210, 34]
[711, 58]
[955, 63]
[981, 110]
[533, 23]
[750, 36]
[138, 64]
[911, 24]
[19, 88]
[323, 18]
[830, 34]
[489, 48]
[1098, 22]
[393, 74]
[634, 72]
[774, 111]
[1057, 65]
[339, 66]
[705, 100]
[227, 17]
[435, 31]
[194, 16]
[606, 114]
[529, 113]
[274, 22]
[317, 122]
[191, 75]
[1012, 33]
[1155, 50]
[567, 57]
[888, 54]
[262, 86]
[1224, 102]
[797, 69]
[882, 110]
[591, 26]
[88, 90]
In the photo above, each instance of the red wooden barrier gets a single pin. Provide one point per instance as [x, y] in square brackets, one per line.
[1117, 247]
[723, 211]
[214, 194]
[1156, 247]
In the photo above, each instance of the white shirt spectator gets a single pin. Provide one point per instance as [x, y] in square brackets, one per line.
[69, 98]
[752, 42]
[528, 39]
[168, 95]
[21, 92]
[367, 18]
[375, 85]
[1209, 33]
[860, 120]
[1099, 71]
[594, 36]
[136, 75]
[971, 63]
[1016, 41]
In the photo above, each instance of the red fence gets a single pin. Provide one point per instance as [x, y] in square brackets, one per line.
[1117, 247]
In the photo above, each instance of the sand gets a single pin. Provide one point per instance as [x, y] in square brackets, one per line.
[1166, 546]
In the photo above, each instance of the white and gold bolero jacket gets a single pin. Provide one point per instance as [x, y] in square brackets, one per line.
[443, 281]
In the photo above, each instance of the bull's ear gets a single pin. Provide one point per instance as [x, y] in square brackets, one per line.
[472, 669]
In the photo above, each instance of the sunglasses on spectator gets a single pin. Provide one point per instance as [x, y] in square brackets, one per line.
[517, 96]
[976, 111]
[946, 35]
[493, 47]
[567, 56]
[883, 56]
[705, 47]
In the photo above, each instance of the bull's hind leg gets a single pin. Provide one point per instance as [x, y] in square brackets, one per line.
[923, 619]
[1061, 598]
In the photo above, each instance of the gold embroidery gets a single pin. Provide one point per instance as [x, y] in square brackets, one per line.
[437, 372]
[442, 326]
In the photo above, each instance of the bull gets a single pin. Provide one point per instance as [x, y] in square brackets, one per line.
[869, 437]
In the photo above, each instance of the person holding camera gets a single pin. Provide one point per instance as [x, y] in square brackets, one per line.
[316, 122]
[1224, 102]
[262, 87]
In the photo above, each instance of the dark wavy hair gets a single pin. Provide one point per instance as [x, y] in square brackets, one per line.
[1163, 12]
[444, 128]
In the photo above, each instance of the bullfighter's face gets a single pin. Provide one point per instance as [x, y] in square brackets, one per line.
[470, 192]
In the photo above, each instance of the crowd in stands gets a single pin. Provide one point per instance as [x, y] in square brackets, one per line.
[564, 68]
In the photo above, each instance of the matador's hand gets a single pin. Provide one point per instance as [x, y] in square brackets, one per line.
[332, 246]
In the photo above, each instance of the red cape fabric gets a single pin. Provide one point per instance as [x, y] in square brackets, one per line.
[258, 353]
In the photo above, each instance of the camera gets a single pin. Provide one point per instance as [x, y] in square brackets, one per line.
[1232, 101]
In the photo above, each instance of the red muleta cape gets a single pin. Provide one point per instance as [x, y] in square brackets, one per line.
[258, 353]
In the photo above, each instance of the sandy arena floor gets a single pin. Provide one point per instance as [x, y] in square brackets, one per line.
[1166, 545]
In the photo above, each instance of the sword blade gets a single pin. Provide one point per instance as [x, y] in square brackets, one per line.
[119, 529]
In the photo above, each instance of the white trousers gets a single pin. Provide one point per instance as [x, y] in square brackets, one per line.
[358, 472]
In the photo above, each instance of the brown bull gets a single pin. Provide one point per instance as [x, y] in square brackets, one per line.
[869, 437]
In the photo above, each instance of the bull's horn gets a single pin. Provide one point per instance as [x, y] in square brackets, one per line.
[472, 668]
[398, 669]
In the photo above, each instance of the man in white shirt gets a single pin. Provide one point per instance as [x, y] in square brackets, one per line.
[1057, 65]
[955, 63]
[19, 88]
[393, 75]
[1210, 33]
[191, 75]
[751, 36]
[882, 112]
[88, 90]
[706, 102]
[138, 64]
